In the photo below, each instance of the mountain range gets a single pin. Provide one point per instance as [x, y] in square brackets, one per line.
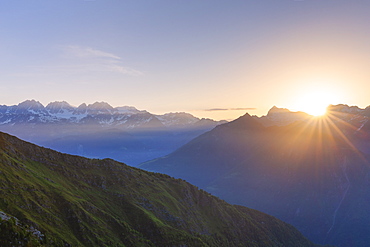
[54, 199]
[98, 113]
[313, 173]
[101, 131]
[281, 116]
[310, 172]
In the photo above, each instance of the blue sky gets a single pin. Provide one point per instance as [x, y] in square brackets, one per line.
[191, 56]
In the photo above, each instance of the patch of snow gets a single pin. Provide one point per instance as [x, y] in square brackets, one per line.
[33, 112]
[63, 114]
[6, 121]
[148, 120]
[362, 125]
[122, 122]
[127, 110]
[107, 122]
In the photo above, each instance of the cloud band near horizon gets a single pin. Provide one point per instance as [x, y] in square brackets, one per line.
[231, 109]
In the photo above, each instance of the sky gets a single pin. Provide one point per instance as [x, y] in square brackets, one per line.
[214, 59]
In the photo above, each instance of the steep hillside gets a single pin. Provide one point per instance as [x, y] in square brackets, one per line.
[313, 174]
[56, 199]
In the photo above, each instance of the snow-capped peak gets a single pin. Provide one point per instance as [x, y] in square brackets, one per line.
[128, 110]
[100, 108]
[59, 107]
[31, 105]
[98, 113]
[177, 118]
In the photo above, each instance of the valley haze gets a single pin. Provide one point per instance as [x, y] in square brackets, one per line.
[99, 130]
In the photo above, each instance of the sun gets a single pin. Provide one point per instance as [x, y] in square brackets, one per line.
[315, 93]
[315, 102]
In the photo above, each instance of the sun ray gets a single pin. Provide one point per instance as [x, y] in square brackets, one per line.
[320, 135]
[331, 118]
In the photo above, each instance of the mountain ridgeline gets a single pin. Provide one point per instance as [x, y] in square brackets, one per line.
[313, 173]
[54, 199]
[101, 131]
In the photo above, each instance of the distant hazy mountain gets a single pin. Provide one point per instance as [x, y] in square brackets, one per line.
[281, 116]
[314, 173]
[99, 113]
[99, 130]
[54, 199]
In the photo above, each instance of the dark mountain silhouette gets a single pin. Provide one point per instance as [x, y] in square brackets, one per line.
[314, 173]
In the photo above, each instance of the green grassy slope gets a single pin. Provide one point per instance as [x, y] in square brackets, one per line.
[82, 202]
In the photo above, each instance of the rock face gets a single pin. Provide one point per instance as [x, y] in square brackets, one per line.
[313, 174]
[99, 130]
[54, 199]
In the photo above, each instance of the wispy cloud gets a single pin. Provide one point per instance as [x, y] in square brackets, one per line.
[87, 59]
[87, 52]
[231, 109]
[125, 70]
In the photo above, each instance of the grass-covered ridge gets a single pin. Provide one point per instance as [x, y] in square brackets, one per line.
[82, 202]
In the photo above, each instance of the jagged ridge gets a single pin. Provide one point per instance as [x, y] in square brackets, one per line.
[99, 130]
[32, 111]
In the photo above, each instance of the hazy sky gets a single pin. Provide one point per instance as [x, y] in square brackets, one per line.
[215, 59]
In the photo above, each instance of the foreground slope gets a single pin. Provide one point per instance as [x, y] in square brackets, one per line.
[73, 201]
[314, 175]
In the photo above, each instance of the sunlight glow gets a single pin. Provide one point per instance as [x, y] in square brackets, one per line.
[315, 102]
[324, 138]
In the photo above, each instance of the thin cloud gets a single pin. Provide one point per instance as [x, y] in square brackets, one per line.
[87, 59]
[125, 70]
[231, 109]
[87, 52]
